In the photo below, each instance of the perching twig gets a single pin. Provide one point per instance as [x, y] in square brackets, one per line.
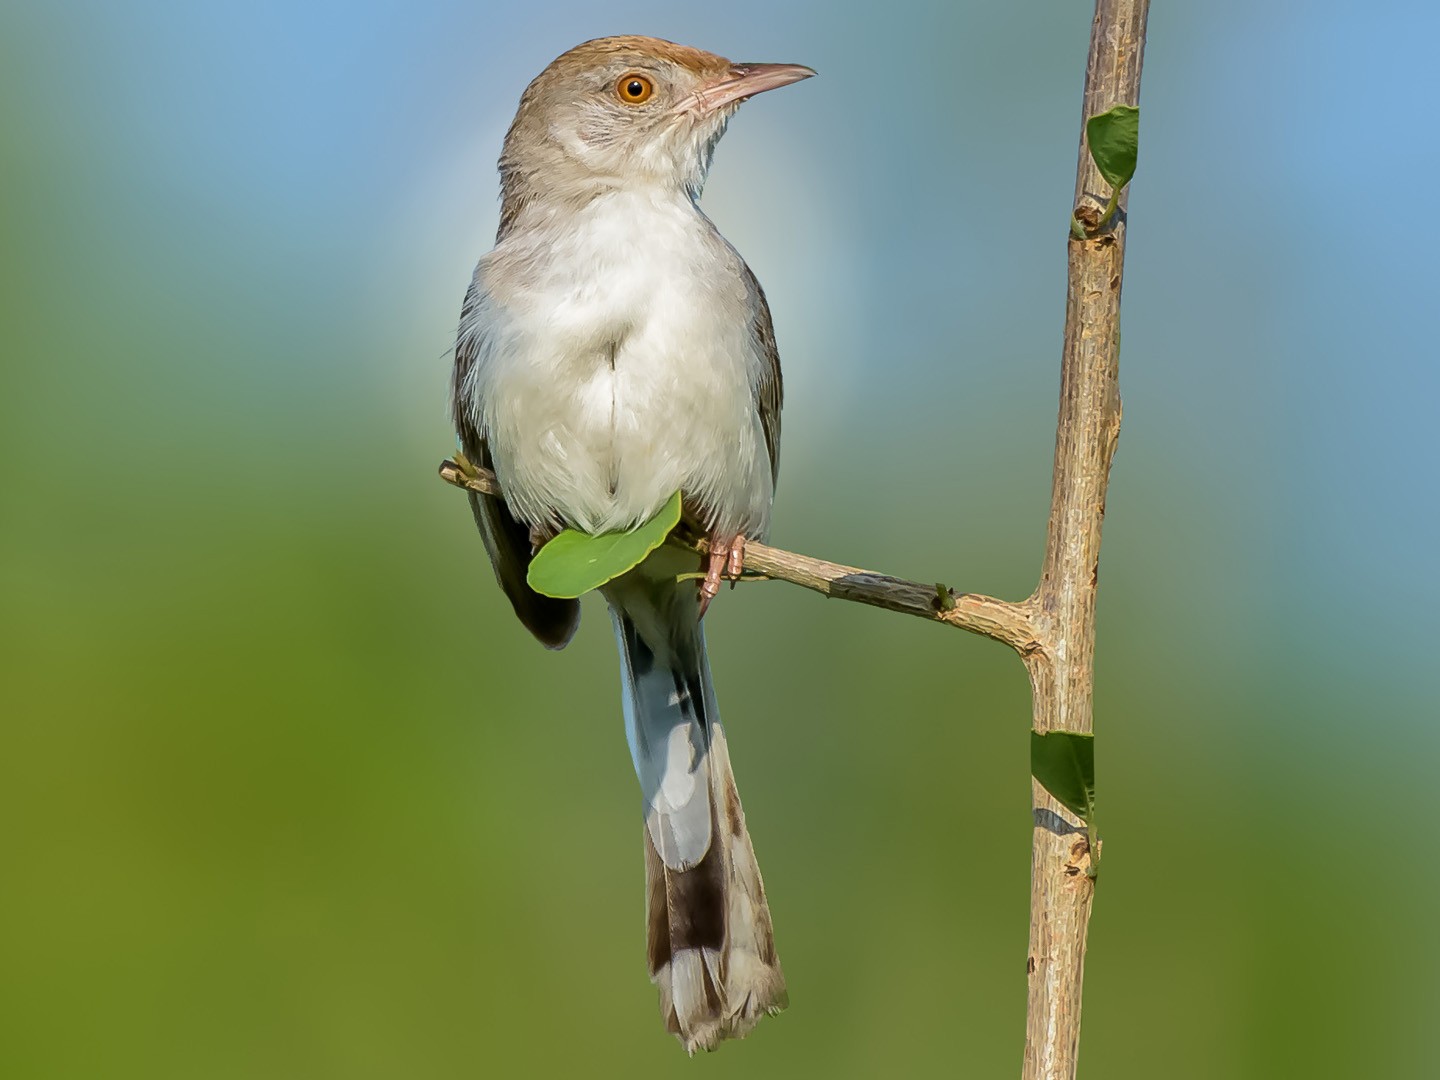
[998, 619]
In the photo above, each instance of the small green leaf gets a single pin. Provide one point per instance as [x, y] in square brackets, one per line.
[1064, 763]
[574, 562]
[1114, 138]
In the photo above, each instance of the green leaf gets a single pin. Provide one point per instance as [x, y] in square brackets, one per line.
[1064, 763]
[1114, 138]
[574, 562]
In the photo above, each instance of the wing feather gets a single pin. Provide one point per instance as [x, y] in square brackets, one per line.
[770, 392]
[507, 540]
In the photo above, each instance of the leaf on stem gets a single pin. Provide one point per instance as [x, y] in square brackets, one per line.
[1114, 138]
[1064, 763]
[573, 562]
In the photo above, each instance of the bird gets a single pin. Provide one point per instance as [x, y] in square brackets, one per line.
[614, 348]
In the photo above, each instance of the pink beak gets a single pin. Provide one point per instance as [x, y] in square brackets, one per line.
[745, 81]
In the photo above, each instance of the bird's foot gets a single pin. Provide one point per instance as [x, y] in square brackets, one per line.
[725, 560]
[540, 535]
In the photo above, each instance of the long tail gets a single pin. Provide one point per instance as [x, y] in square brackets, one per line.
[711, 948]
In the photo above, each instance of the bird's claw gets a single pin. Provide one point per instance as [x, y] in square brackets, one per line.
[540, 535]
[726, 559]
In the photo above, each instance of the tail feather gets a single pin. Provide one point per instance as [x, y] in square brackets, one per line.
[710, 943]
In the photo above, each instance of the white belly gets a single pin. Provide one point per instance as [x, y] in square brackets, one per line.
[617, 365]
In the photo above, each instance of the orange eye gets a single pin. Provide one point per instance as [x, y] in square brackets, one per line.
[634, 89]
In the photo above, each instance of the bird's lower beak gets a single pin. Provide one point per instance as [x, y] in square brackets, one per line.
[743, 81]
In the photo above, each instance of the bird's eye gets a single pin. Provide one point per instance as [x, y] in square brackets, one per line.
[634, 89]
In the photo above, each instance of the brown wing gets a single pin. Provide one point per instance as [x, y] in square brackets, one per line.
[770, 393]
[507, 540]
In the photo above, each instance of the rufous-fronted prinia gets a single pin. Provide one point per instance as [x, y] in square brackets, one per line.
[614, 349]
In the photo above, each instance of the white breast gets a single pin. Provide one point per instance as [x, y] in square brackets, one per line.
[616, 363]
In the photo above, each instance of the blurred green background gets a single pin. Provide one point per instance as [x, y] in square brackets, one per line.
[286, 790]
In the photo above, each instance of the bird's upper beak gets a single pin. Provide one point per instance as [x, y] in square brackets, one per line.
[743, 81]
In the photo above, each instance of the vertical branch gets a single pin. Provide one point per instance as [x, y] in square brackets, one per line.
[1063, 606]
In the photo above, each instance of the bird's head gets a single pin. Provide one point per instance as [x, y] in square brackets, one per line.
[623, 112]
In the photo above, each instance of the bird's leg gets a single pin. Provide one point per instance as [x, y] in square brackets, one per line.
[725, 560]
[540, 535]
